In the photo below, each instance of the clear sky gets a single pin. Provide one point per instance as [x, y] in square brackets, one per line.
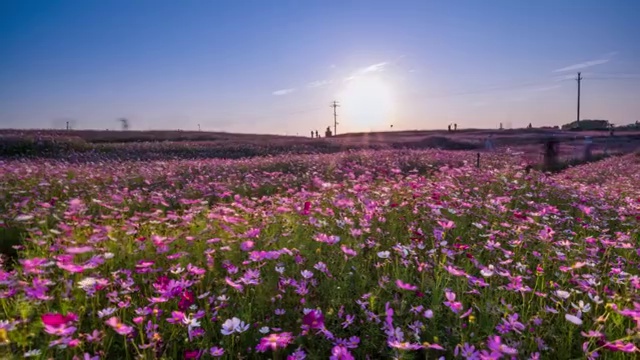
[274, 66]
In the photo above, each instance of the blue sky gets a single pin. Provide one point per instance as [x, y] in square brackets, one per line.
[275, 66]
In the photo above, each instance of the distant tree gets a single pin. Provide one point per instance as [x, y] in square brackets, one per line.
[125, 124]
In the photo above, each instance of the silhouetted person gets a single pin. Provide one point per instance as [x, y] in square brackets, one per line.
[317, 136]
[312, 134]
[530, 127]
[550, 153]
[488, 143]
[500, 126]
[588, 146]
[455, 127]
[328, 132]
[449, 128]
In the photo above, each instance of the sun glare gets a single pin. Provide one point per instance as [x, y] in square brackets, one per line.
[367, 105]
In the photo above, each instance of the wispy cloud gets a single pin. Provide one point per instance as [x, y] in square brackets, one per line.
[283, 92]
[547, 88]
[583, 65]
[565, 77]
[379, 67]
[615, 76]
[587, 64]
[318, 83]
[372, 68]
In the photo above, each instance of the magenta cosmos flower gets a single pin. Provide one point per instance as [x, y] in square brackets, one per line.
[58, 324]
[314, 319]
[274, 342]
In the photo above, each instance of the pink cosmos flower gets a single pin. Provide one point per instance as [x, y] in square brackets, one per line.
[274, 342]
[620, 345]
[455, 306]
[404, 345]
[142, 264]
[247, 245]
[216, 351]
[455, 271]
[176, 317]
[494, 343]
[447, 224]
[233, 284]
[62, 331]
[118, 326]
[328, 239]
[339, 352]
[72, 268]
[405, 286]
[78, 249]
[347, 251]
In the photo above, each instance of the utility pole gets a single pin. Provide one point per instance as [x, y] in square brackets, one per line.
[578, 113]
[335, 117]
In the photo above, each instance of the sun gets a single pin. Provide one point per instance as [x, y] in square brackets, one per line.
[367, 105]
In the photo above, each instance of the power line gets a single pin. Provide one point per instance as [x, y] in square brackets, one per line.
[616, 77]
[578, 113]
[335, 105]
[485, 90]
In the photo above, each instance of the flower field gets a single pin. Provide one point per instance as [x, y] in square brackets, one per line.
[354, 255]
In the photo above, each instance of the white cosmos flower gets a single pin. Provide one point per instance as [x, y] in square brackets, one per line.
[488, 271]
[573, 319]
[384, 254]
[582, 307]
[264, 330]
[596, 299]
[106, 312]
[562, 294]
[191, 322]
[9, 326]
[87, 282]
[32, 353]
[177, 270]
[234, 325]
